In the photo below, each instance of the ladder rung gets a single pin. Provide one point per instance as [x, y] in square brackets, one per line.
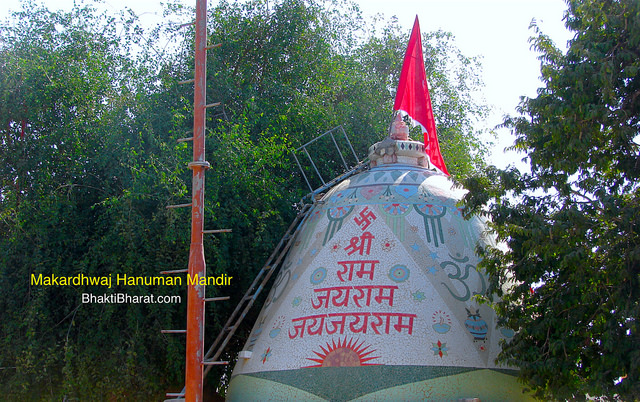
[210, 363]
[185, 139]
[174, 394]
[210, 299]
[179, 206]
[175, 271]
[187, 24]
[229, 328]
[187, 81]
[217, 231]
[212, 46]
[174, 331]
[212, 105]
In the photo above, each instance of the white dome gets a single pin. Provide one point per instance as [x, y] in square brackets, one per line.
[375, 299]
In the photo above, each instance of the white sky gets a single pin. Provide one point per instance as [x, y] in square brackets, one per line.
[497, 30]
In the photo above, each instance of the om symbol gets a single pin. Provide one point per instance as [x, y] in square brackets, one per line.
[462, 278]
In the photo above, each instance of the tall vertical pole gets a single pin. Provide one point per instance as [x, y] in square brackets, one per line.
[197, 266]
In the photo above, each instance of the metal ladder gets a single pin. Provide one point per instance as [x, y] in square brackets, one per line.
[269, 268]
[280, 252]
[274, 261]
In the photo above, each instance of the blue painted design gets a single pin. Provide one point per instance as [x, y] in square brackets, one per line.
[378, 175]
[340, 195]
[441, 328]
[338, 212]
[253, 339]
[441, 322]
[399, 273]
[274, 332]
[406, 191]
[362, 177]
[476, 325]
[318, 275]
[396, 209]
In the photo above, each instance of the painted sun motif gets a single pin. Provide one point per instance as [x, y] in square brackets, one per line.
[344, 354]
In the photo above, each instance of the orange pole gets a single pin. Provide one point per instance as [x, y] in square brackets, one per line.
[197, 266]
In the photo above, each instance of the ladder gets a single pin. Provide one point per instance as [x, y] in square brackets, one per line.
[258, 284]
[279, 253]
[269, 268]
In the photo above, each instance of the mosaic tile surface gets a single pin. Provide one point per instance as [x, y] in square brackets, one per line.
[380, 279]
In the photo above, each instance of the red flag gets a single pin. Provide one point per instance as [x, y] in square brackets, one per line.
[413, 97]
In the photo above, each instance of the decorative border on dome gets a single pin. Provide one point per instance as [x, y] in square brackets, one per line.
[409, 148]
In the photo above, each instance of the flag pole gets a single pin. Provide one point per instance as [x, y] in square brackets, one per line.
[194, 377]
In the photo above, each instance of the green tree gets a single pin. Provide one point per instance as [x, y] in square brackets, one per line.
[570, 277]
[83, 185]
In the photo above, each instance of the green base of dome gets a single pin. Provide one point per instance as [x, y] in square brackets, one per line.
[378, 383]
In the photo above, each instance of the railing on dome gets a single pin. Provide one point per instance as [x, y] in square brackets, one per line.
[313, 167]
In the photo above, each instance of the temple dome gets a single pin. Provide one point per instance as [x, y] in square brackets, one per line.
[375, 300]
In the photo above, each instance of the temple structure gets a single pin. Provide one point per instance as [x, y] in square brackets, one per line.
[375, 301]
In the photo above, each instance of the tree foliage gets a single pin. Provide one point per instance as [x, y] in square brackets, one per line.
[570, 278]
[90, 111]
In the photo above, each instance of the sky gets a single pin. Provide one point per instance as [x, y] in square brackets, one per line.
[496, 30]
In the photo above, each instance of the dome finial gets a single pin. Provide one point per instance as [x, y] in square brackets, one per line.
[398, 148]
[399, 130]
